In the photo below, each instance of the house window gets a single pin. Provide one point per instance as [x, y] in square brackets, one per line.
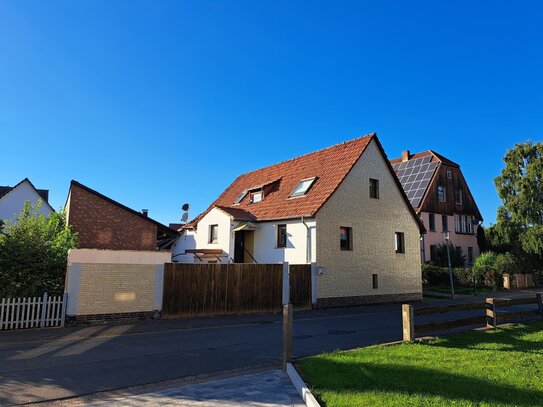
[459, 196]
[374, 188]
[213, 233]
[400, 242]
[441, 193]
[256, 196]
[457, 224]
[432, 219]
[345, 238]
[281, 235]
[449, 174]
[433, 253]
[303, 186]
[375, 281]
[240, 198]
[444, 223]
[470, 256]
[462, 224]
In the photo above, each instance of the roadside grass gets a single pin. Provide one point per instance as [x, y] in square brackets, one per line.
[502, 367]
[458, 290]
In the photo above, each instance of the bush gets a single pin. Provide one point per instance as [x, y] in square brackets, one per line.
[33, 253]
[434, 275]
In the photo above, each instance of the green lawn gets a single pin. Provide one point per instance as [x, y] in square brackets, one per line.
[482, 368]
[457, 290]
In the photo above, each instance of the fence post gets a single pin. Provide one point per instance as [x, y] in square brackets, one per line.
[408, 320]
[491, 317]
[287, 335]
[63, 311]
[539, 303]
[43, 310]
[286, 284]
[314, 284]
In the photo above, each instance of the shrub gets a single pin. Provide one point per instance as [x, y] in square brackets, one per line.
[434, 275]
[457, 258]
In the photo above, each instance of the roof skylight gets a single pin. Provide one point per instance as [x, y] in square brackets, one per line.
[302, 188]
[240, 198]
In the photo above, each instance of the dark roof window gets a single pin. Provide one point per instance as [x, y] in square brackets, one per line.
[303, 187]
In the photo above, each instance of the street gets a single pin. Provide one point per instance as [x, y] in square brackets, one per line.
[52, 364]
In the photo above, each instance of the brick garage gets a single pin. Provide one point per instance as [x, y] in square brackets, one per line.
[103, 223]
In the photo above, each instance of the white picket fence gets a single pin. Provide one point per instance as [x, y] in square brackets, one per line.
[32, 312]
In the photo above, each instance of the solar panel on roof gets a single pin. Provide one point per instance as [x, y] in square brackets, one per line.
[415, 175]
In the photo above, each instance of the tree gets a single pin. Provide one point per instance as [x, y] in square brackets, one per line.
[520, 187]
[34, 253]
[457, 258]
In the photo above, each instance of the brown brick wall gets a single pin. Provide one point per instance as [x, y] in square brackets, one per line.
[103, 225]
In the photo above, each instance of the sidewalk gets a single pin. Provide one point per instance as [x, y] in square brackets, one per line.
[269, 388]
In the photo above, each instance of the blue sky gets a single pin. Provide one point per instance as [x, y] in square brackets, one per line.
[156, 103]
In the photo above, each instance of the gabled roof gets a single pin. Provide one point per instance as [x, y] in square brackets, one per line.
[435, 157]
[43, 193]
[161, 227]
[329, 167]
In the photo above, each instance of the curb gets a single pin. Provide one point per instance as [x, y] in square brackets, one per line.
[301, 387]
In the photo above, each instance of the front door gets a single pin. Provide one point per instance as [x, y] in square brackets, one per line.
[239, 246]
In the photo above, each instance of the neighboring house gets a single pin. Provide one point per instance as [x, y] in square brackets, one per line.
[440, 195]
[341, 208]
[103, 223]
[13, 199]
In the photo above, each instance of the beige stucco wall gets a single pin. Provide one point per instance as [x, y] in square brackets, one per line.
[116, 288]
[374, 223]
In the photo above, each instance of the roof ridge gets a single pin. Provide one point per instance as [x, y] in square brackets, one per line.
[369, 135]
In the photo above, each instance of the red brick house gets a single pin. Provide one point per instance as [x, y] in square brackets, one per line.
[103, 223]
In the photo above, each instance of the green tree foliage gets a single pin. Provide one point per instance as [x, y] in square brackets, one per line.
[457, 258]
[33, 253]
[520, 187]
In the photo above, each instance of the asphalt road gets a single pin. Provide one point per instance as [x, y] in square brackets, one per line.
[38, 365]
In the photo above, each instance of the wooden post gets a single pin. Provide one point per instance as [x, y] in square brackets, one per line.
[539, 303]
[408, 320]
[314, 284]
[287, 335]
[286, 284]
[43, 310]
[491, 317]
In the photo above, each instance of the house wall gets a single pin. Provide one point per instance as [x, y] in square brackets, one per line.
[348, 276]
[264, 240]
[13, 202]
[108, 284]
[103, 225]
[437, 237]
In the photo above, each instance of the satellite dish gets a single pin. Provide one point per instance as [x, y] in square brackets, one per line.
[185, 217]
[185, 207]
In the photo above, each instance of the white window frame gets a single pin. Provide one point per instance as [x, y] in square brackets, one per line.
[304, 191]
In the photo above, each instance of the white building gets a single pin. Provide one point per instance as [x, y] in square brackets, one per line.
[12, 199]
[341, 208]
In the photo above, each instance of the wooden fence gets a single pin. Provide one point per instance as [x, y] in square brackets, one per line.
[220, 289]
[32, 312]
[489, 315]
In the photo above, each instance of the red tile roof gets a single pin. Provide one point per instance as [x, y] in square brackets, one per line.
[435, 157]
[329, 166]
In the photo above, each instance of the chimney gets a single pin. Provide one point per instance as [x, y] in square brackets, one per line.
[405, 156]
[145, 212]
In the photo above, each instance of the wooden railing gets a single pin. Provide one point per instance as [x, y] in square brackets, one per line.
[491, 318]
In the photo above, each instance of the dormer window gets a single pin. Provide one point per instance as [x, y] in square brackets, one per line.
[240, 198]
[302, 188]
[256, 196]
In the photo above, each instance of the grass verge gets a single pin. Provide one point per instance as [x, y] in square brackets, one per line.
[481, 368]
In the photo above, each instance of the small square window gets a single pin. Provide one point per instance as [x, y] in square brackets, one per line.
[345, 238]
[432, 219]
[213, 234]
[441, 193]
[400, 242]
[375, 278]
[374, 188]
[256, 196]
[281, 235]
[449, 174]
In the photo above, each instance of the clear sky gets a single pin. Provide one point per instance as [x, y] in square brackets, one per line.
[156, 103]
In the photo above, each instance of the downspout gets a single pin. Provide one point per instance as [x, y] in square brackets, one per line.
[308, 242]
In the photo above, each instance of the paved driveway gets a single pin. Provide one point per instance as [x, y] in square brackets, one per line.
[49, 364]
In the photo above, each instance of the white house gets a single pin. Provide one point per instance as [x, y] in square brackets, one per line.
[12, 199]
[342, 208]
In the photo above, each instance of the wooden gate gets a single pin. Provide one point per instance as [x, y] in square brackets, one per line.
[219, 289]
